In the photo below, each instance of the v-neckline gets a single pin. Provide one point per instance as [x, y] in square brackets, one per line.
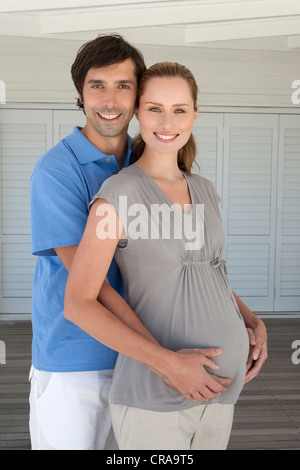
[171, 203]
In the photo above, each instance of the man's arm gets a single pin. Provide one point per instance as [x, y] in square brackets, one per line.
[113, 323]
[258, 339]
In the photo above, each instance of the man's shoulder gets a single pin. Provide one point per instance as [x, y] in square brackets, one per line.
[56, 158]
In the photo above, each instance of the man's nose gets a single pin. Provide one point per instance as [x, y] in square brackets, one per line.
[109, 99]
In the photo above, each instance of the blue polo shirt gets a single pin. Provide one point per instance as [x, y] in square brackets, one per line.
[63, 183]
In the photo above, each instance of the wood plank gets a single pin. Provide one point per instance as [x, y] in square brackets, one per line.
[14, 386]
[267, 416]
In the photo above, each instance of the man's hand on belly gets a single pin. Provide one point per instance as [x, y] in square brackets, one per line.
[189, 376]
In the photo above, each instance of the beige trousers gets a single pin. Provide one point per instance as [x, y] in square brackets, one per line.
[203, 427]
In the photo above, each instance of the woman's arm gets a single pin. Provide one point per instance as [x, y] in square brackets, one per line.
[107, 296]
[258, 339]
[119, 328]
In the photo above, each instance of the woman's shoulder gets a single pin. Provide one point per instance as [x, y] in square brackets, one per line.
[126, 184]
[204, 185]
[201, 180]
[121, 184]
[119, 180]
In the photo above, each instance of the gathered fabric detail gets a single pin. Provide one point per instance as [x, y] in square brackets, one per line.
[215, 263]
[218, 263]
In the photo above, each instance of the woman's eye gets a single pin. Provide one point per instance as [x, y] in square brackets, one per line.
[154, 110]
[179, 111]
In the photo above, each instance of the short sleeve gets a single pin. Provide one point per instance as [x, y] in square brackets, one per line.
[58, 211]
[115, 191]
[214, 192]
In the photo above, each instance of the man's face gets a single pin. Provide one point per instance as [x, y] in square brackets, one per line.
[109, 95]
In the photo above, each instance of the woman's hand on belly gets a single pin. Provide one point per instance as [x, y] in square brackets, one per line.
[258, 351]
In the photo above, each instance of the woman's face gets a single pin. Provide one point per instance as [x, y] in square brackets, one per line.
[166, 114]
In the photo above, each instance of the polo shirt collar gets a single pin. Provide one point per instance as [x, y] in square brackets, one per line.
[86, 152]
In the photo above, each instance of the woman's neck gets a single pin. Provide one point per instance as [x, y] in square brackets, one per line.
[160, 166]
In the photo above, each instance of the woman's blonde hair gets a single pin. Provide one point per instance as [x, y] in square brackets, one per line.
[187, 154]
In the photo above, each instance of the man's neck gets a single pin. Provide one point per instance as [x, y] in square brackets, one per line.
[116, 146]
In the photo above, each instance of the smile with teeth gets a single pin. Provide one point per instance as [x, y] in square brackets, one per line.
[108, 117]
[166, 137]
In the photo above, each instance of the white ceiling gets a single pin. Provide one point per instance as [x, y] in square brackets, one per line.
[272, 25]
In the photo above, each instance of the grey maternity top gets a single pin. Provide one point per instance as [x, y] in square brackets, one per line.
[179, 290]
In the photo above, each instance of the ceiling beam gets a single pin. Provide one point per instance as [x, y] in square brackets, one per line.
[145, 14]
[155, 36]
[14, 6]
[277, 7]
[187, 23]
[19, 25]
[176, 37]
[242, 30]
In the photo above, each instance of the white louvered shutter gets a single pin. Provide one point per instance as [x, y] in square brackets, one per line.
[25, 136]
[256, 174]
[208, 134]
[250, 169]
[287, 273]
[64, 122]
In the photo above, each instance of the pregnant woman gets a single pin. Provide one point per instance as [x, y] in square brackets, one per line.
[163, 225]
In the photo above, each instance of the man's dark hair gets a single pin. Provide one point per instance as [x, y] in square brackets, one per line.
[105, 50]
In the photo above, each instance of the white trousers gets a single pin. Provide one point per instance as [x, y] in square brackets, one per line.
[203, 427]
[70, 411]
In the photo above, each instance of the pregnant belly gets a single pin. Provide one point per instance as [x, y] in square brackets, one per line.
[235, 349]
[136, 385]
[220, 328]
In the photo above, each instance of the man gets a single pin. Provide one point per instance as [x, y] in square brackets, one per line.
[71, 373]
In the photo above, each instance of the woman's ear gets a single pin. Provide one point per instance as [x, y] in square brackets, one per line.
[197, 110]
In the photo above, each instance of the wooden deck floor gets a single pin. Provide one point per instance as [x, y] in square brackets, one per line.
[267, 416]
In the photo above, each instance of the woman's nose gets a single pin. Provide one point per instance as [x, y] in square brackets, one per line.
[167, 121]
